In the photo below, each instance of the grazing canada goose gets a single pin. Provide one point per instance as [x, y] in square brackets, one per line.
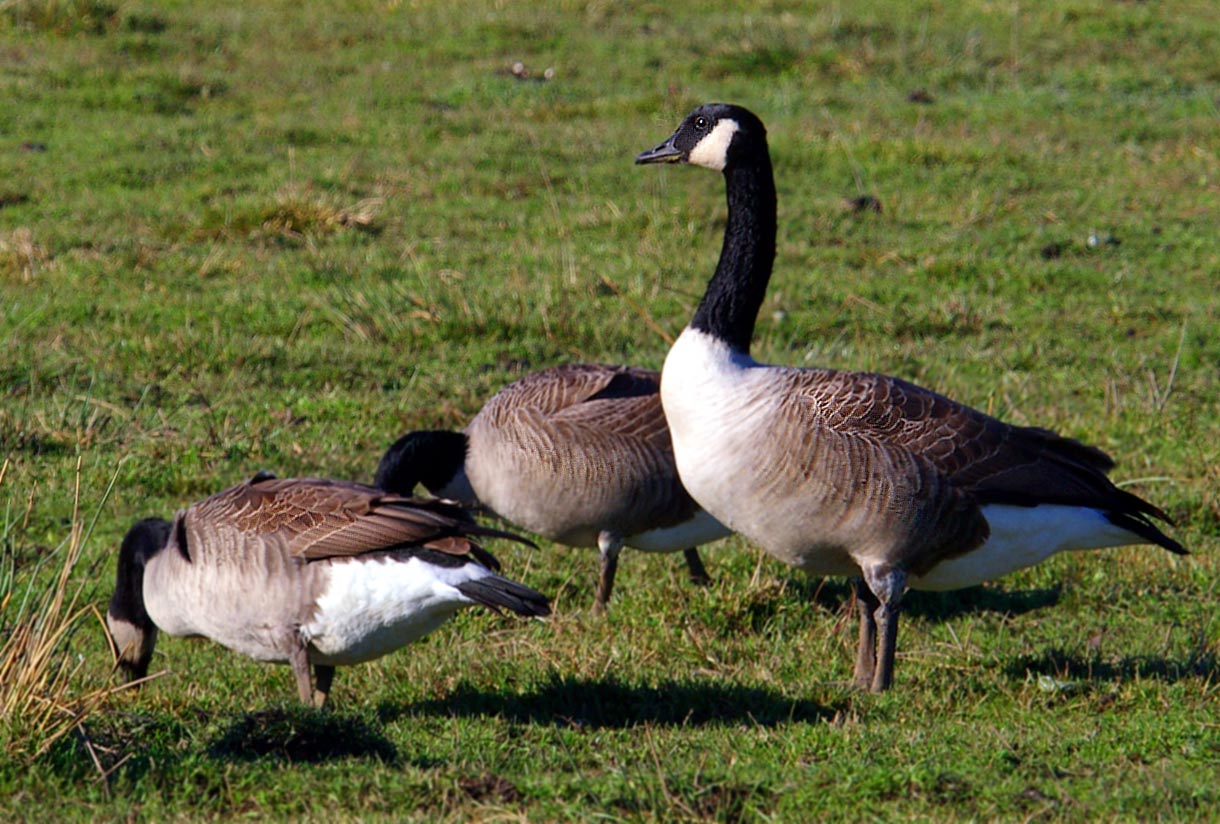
[304, 570]
[850, 473]
[578, 453]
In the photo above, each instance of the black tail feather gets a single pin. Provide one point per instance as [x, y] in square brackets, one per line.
[496, 592]
[1141, 525]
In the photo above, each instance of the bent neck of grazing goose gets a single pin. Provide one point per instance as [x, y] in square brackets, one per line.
[435, 458]
[132, 632]
[735, 293]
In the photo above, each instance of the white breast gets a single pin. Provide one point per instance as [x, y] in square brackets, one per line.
[713, 399]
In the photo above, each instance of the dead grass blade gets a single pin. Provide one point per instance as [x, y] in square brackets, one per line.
[644, 314]
[39, 699]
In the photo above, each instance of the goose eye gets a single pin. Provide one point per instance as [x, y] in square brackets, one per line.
[701, 123]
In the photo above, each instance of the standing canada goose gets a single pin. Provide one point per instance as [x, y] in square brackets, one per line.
[578, 453]
[850, 473]
[304, 570]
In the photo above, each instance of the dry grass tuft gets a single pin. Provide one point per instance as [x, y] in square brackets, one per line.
[39, 699]
[61, 17]
[20, 257]
[296, 216]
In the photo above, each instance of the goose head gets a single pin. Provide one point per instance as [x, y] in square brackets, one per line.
[435, 458]
[715, 136]
[132, 632]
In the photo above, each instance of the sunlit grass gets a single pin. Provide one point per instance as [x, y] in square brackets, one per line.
[275, 236]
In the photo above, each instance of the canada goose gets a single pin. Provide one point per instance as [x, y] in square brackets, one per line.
[578, 453]
[850, 473]
[304, 570]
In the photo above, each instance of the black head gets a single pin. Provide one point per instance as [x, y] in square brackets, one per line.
[716, 136]
[430, 457]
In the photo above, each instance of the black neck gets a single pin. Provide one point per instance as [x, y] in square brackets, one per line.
[144, 540]
[431, 457]
[735, 293]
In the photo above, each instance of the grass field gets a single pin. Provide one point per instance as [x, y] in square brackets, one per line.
[276, 235]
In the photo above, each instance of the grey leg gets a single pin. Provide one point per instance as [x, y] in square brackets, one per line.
[887, 644]
[610, 546]
[866, 651]
[299, 659]
[698, 575]
[888, 586]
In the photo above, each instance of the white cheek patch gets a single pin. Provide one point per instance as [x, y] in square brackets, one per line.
[712, 152]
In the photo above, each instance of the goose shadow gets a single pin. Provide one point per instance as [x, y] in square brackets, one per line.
[301, 735]
[837, 594]
[611, 704]
[941, 606]
[1091, 669]
[136, 744]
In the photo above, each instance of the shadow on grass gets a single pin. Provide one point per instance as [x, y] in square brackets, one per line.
[836, 593]
[301, 735]
[611, 704]
[136, 745]
[939, 606]
[1063, 666]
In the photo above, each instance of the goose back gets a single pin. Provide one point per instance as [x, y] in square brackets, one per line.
[577, 449]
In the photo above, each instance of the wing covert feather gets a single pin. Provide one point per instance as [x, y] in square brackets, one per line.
[316, 518]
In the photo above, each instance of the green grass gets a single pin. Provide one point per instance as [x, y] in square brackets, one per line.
[277, 235]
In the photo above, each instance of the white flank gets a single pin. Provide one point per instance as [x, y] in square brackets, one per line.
[1022, 536]
[712, 152]
[701, 529]
[371, 608]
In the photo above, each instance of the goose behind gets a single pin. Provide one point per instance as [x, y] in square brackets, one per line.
[578, 453]
[304, 571]
[854, 473]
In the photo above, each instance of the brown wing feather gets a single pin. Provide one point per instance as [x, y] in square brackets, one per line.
[995, 462]
[619, 399]
[320, 518]
[866, 490]
[610, 410]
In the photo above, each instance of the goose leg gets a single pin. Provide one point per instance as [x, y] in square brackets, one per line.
[610, 546]
[866, 652]
[298, 657]
[888, 586]
[323, 676]
[698, 574]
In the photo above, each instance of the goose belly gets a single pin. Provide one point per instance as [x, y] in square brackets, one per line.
[532, 493]
[700, 529]
[571, 495]
[372, 607]
[1024, 536]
